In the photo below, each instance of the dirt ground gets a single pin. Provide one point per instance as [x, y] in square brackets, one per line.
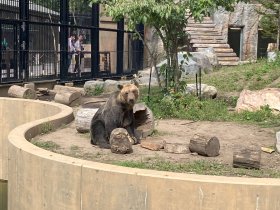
[232, 136]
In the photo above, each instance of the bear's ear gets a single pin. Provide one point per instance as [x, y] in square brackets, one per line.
[120, 86]
[135, 82]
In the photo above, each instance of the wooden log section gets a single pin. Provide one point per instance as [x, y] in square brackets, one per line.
[83, 119]
[205, 146]
[249, 158]
[21, 92]
[69, 98]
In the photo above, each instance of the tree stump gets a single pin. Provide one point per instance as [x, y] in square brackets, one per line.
[21, 92]
[205, 146]
[83, 119]
[120, 141]
[144, 120]
[59, 88]
[70, 98]
[249, 158]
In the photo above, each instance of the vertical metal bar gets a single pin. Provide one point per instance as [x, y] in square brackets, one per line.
[120, 46]
[95, 68]
[24, 38]
[64, 20]
[196, 85]
[199, 76]
[1, 38]
[140, 48]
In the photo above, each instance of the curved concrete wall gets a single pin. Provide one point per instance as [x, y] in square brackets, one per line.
[40, 180]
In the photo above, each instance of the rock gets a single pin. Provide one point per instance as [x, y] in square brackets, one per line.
[83, 119]
[144, 81]
[110, 86]
[120, 141]
[30, 85]
[203, 61]
[144, 120]
[211, 55]
[254, 100]
[207, 91]
[151, 146]
[271, 56]
[176, 148]
[91, 86]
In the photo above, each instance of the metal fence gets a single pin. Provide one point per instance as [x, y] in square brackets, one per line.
[35, 36]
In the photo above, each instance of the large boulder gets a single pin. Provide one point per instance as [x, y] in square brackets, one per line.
[91, 86]
[254, 100]
[203, 61]
[192, 64]
[207, 91]
[211, 55]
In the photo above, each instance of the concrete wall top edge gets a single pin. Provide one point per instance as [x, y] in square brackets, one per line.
[17, 139]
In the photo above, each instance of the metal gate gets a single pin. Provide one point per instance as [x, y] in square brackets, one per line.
[35, 42]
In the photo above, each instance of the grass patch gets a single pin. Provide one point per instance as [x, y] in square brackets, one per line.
[182, 106]
[200, 167]
[253, 76]
[47, 145]
[46, 128]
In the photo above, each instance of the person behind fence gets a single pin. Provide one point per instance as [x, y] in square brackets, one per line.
[71, 49]
[4, 44]
[79, 53]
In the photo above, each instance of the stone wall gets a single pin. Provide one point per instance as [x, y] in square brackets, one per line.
[245, 16]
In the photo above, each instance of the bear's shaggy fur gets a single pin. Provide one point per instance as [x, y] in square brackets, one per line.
[117, 112]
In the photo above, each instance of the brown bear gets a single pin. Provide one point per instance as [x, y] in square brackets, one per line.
[117, 112]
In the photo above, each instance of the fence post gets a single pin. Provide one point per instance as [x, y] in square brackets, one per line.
[64, 20]
[120, 46]
[95, 68]
[24, 39]
[138, 49]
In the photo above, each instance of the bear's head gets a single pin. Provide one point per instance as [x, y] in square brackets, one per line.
[128, 94]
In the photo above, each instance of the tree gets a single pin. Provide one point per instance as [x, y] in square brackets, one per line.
[270, 22]
[168, 17]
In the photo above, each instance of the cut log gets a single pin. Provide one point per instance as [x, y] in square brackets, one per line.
[70, 98]
[43, 91]
[58, 88]
[21, 92]
[120, 141]
[176, 148]
[144, 120]
[205, 146]
[249, 158]
[83, 119]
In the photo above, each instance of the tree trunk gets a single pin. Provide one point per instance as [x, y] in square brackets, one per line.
[247, 158]
[175, 148]
[278, 29]
[205, 146]
[83, 119]
[21, 92]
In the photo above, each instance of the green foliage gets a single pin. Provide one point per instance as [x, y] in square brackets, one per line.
[47, 145]
[199, 167]
[46, 128]
[270, 18]
[182, 106]
[94, 91]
